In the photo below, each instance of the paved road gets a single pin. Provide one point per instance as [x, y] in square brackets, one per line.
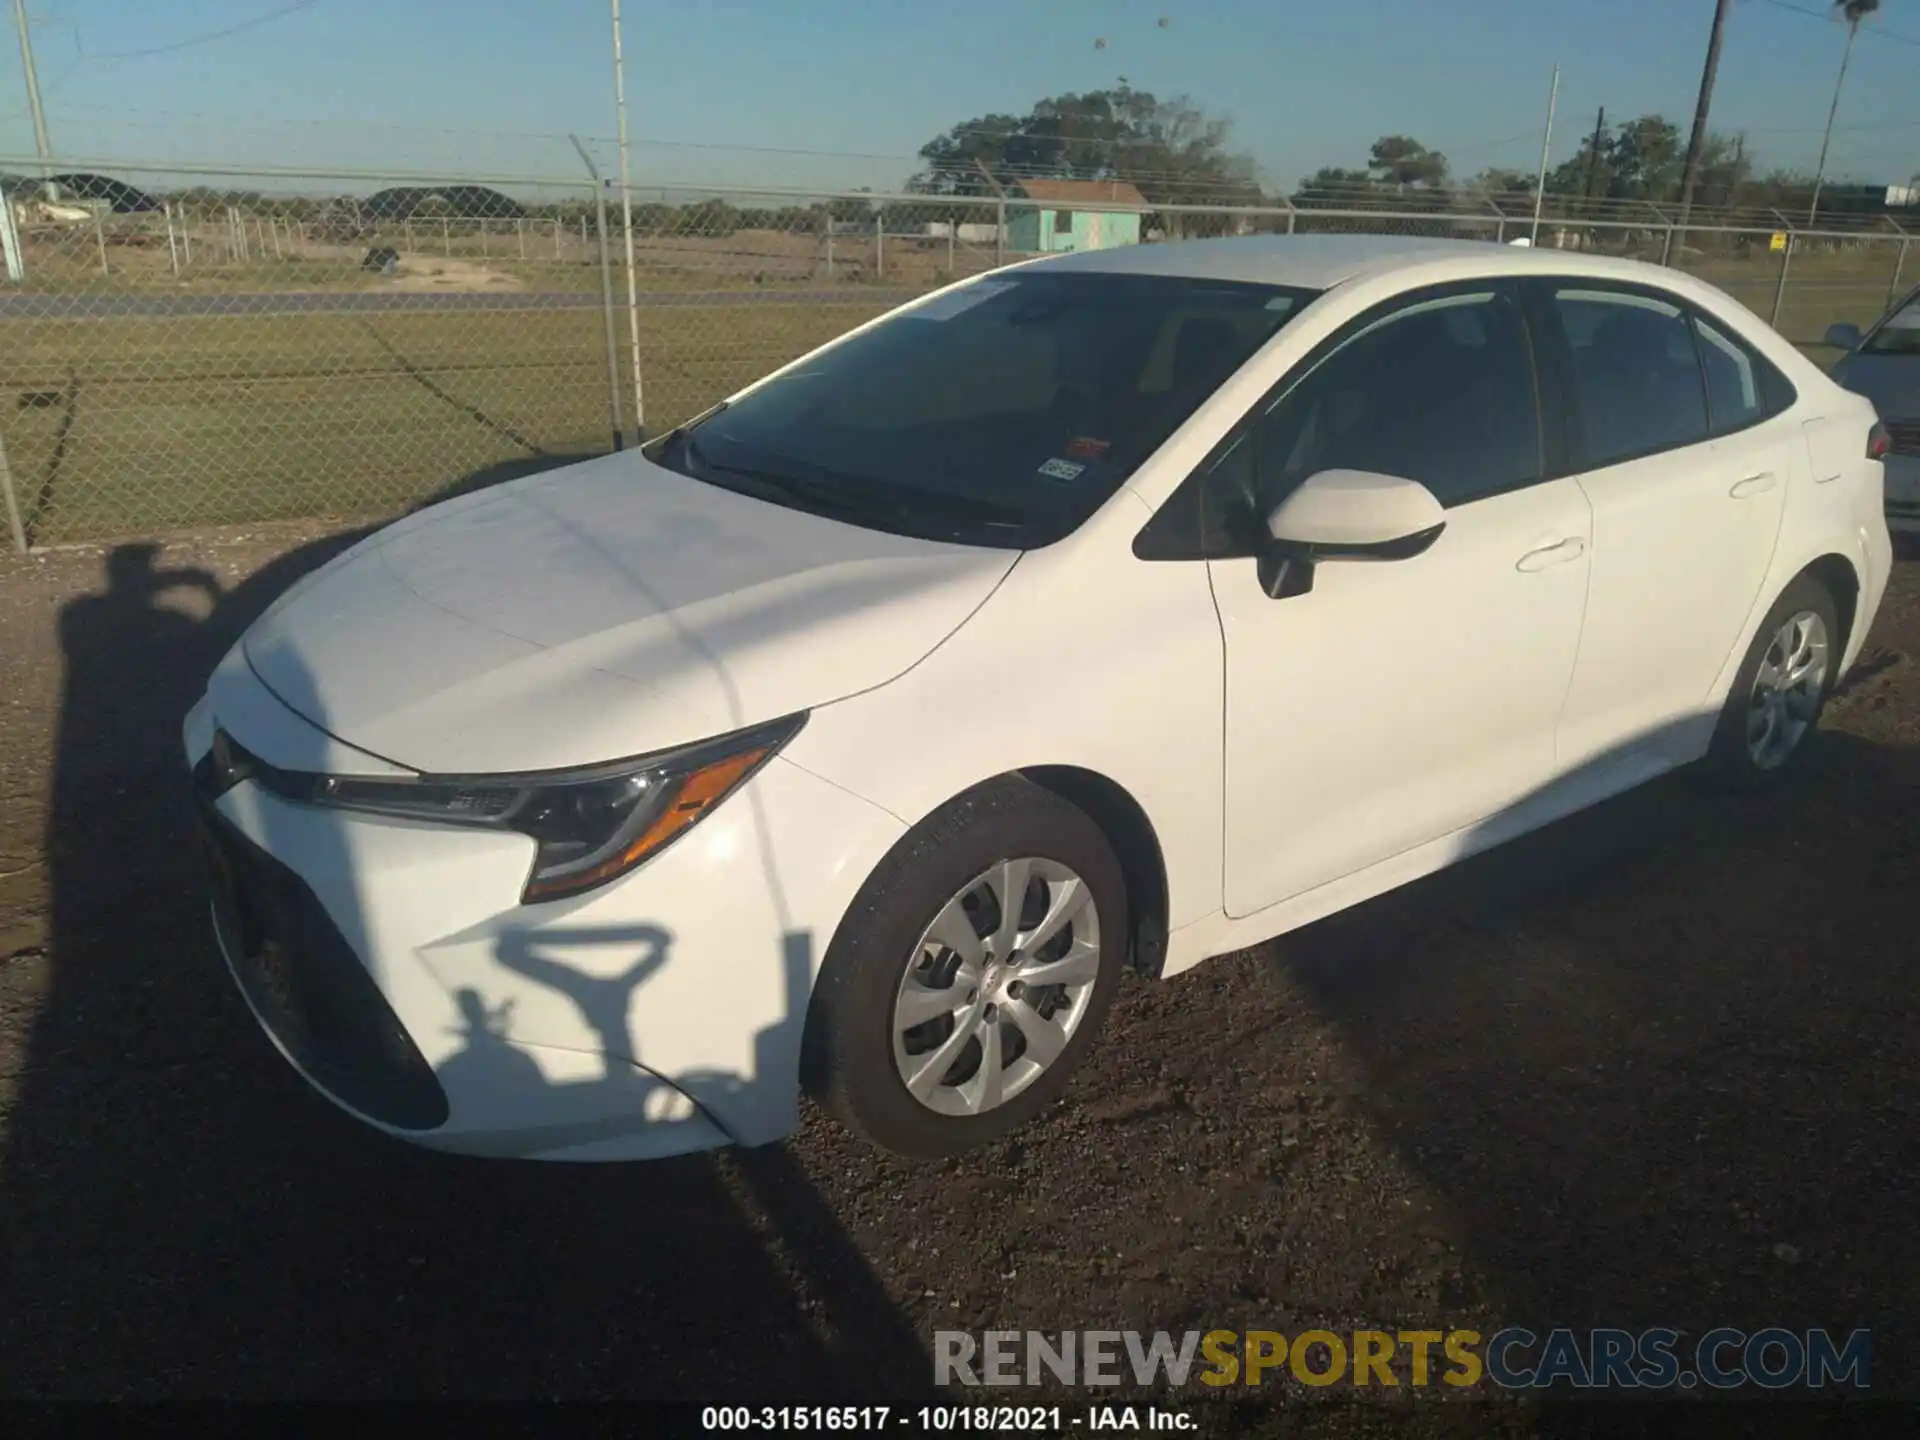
[301, 302]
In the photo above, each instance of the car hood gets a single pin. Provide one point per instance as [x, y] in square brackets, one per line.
[1891, 382]
[605, 610]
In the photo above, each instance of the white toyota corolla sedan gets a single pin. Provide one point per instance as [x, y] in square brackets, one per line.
[1118, 609]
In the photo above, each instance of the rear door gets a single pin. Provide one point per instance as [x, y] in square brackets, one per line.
[1681, 447]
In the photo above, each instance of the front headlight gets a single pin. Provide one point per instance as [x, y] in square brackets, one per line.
[591, 825]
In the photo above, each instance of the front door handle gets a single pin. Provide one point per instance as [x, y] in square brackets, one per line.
[1754, 485]
[1571, 548]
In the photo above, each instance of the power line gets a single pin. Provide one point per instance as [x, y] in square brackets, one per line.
[258, 20]
[1826, 15]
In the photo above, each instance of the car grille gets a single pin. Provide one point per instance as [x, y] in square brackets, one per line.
[309, 988]
[1904, 436]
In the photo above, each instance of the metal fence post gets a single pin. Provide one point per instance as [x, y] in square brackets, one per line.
[11, 251]
[606, 294]
[100, 238]
[446, 238]
[879, 244]
[1899, 264]
[830, 223]
[6, 492]
[1000, 233]
[1780, 289]
[173, 251]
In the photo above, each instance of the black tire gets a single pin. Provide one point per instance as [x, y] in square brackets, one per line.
[848, 1058]
[1730, 762]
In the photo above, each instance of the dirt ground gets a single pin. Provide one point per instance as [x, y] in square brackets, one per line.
[1655, 1066]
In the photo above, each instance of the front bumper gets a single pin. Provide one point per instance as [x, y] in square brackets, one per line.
[392, 965]
[1903, 493]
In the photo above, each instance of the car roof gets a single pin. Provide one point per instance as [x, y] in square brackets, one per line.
[1320, 262]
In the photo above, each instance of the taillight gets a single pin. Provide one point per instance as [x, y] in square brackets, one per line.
[1879, 443]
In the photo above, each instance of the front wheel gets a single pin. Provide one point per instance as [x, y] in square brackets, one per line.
[971, 974]
[1780, 690]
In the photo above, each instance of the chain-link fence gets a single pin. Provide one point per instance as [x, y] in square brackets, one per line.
[182, 348]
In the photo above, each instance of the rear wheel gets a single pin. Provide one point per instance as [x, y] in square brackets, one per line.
[972, 973]
[1774, 707]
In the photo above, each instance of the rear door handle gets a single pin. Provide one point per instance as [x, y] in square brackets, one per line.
[1754, 485]
[1571, 548]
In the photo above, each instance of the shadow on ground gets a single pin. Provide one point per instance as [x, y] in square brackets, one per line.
[1654, 1065]
[1657, 1061]
[182, 1216]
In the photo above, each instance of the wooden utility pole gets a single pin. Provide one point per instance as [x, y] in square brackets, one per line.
[1697, 142]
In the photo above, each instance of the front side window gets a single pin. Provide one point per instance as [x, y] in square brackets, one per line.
[1636, 374]
[1440, 392]
[1002, 413]
[1899, 334]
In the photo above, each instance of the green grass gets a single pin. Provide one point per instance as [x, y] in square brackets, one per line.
[125, 426]
[136, 425]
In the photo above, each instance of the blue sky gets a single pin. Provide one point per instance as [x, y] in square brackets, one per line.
[717, 88]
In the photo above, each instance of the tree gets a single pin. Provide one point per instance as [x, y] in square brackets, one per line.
[1646, 159]
[1330, 180]
[1170, 150]
[1401, 161]
[1502, 183]
[1853, 12]
[1725, 170]
[848, 211]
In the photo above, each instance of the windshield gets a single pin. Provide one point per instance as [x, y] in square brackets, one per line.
[1899, 333]
[1002, 413]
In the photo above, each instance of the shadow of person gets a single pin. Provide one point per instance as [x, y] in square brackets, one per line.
[183, 1216]
[486, 1060]
[604, 1001]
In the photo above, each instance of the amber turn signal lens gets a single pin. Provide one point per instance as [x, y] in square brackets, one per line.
[693, 795]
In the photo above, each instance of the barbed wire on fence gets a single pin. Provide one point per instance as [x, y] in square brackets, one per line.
[191, 345]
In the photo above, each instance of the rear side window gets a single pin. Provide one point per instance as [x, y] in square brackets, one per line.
[1742, 388]
[1636, 374]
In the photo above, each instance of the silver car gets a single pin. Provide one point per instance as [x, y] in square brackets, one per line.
[1884, 366]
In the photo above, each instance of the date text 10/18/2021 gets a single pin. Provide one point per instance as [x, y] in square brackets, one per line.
[944, 1419]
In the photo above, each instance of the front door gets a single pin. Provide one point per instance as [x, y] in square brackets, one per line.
[1399, 701]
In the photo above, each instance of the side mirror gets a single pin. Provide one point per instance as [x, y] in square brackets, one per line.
[1347, 515]
[1843, 336]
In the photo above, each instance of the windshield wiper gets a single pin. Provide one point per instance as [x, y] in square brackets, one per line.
[660, 444]
[792, 487]
[864, 500]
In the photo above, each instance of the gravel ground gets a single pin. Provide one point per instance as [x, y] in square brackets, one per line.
[1656, 1066]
